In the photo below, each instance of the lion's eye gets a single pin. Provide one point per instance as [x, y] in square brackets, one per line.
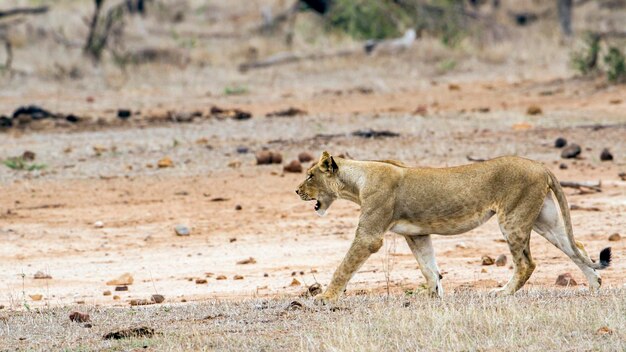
[310, 177]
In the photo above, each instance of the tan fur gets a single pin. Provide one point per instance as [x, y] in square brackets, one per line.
[418, 202]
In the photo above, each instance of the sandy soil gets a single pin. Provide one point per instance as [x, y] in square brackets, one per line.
[47, 217]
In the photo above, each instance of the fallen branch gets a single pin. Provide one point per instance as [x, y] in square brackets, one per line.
[286, 58]
[471, 158]
[24, 11]
[583, 187]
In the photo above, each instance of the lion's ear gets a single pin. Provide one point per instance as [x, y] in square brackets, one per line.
[327, 163]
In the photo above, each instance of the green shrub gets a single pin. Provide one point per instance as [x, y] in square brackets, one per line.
[585, 61]
[368, 19]
[615, 65]
[18, 163]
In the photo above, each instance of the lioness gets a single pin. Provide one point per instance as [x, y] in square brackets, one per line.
[418, 202]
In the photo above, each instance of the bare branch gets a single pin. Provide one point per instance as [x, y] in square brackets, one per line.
[24, 11]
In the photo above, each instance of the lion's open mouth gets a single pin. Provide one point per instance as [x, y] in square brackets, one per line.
[317, 205]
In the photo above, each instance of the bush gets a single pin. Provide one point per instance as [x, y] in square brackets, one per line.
[586, 60]
[368, 19]
[616, 65]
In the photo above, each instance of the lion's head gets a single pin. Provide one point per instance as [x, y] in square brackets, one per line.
[321, 183]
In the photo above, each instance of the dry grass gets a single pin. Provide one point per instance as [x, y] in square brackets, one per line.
[533, 320]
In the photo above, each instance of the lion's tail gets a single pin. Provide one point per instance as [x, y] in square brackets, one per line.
[605, 254]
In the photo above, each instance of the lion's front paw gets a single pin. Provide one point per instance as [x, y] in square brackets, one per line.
[324, 299]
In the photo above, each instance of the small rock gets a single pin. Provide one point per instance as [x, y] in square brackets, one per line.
[98, 224]
[122, 280]
[286, 113]
[123, 114]
[40, 275]
[165, 162]
[247, 261]
[265, 157]
[28, 155]
[116, 298]
[79, 317]
[266, 275]
[314, 289]
[36, 297]
[234, 164]
[295, 305]
[121, 288]
[606, 155]
[232, 239]
[563, 166]
[483, 270]
[156, 298]
[137, 332]
[453, 86]
[615, 237]
[106, 293]
[305, 157]
[294, 166]
[605, 330]
[238, 207]
[534, 110]
[501, 260]
[295, 282]
[461, 245]
[560, 142]
[622, 176]
[181, 230]
[242, 150]
[221, 277]
[140, 302]
[565, 280]
[238, 277]
[487, 260]
[571, 151]
[201, 281]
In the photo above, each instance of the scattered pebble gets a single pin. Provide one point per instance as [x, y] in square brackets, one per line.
[98, 224]
[615, 237]
[136, 332]
[247, 261]
[265, 157]
[314, 289]
[201, 281]
[28, 155]
[571, 151]
[122, 280]
[604, 330]
[487, 260]
[565, 280]
[156, 298]
[294, 166]
[501, 260]
[79, 317]
[534, 110]
[36, 297]
[121, 288]
[181, 230]
[305, 157]
[295, 282]
[563, 166]
[242, 150]
[123, 114]
[238, 277]
[234, 164]
[165, 162]
[286, 112]
[221, 277]
[106, 293]
[295, 305]
[40, 275]
[238, 207]
[606, 155]
[140, 302]
[560, 142]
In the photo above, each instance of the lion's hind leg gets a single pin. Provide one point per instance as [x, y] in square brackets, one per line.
[422, 248]
[549, 224]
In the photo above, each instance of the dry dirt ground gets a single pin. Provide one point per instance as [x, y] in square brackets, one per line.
[105, 170]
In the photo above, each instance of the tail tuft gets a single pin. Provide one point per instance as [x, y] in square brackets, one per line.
[605, 257]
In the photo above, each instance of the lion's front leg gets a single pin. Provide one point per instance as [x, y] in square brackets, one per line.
[362, 247]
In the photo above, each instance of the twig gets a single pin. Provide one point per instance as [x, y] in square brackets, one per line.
[583, 186]
[286, 58]
[24, 11]
[471, 158]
